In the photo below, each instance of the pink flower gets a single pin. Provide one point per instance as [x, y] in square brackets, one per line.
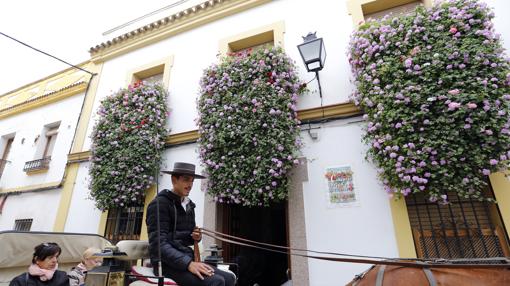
[453, 105]
[454, 92]
[472, 105]
[453, 30]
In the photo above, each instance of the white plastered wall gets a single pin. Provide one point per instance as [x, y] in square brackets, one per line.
[39, 206]
[27, 127]
[365, 228]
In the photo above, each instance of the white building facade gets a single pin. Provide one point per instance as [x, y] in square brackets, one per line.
[37, 127]
[176, 50]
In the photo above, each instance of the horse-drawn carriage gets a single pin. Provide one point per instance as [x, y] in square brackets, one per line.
[124, 263]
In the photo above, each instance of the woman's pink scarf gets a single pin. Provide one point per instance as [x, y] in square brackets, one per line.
[43, 274]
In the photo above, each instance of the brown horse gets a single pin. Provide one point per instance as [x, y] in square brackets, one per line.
[394, 275]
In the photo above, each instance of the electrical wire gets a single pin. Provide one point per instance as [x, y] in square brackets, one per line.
[311, 80]
[45, 53]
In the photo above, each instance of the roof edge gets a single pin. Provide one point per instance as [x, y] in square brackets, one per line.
[174, 24]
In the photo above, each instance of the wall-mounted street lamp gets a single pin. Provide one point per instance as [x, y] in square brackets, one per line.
[313, 52]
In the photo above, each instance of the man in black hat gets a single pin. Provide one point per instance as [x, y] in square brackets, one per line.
[177, 232]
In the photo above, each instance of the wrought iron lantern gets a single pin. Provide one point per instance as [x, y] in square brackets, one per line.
[313, 52]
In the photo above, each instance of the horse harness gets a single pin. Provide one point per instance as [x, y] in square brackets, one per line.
[380, 276]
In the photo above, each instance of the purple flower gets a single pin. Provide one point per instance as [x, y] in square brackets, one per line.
[408, 62]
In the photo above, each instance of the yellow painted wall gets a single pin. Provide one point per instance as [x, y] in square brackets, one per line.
[79, 138]
[149, 196]
[501, 187]
[402, 226]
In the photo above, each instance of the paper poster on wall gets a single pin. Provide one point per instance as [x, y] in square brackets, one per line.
[341, 190]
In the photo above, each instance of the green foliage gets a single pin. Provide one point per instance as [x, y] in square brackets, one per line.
[126, 145]
[434, 85]
[249, 133]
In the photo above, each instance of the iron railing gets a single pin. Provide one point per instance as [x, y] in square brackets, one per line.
[39, 164]
[463, 228]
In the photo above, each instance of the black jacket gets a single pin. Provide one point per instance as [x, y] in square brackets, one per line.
[25, 279]
[175, 234]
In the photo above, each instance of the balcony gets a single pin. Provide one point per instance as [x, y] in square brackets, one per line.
[37, 166]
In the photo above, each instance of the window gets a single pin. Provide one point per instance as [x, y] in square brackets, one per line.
[44, 150]
[361, 10]
[154, 72]
[5, 154]
[464, 228]
[152, 75]
[51, 137]
[23, 224]
[268, 35]
[369, 13]
[124, 224]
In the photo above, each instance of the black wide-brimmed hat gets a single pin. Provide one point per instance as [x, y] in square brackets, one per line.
[181, 168]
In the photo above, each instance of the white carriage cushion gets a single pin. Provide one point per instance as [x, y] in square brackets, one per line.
[135, 249]
[224, 267]
[141, 271]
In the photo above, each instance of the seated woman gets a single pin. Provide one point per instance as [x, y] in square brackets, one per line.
[43, 270]
[77, 274]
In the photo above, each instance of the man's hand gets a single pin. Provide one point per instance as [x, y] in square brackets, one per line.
[200, 269]
[196, 234]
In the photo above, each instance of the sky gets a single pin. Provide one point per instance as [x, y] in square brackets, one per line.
[67, 29]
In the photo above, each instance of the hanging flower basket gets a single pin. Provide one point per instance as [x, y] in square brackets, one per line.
[434, 85]
[249, 133]
[127, 141]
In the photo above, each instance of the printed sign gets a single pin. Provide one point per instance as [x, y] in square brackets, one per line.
[341, 190]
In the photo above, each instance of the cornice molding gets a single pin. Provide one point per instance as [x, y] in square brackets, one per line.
[179, 22]
[347, 109]
[32, 188]
[37, 171]
[44, 99]
[78, 157]
[181, 138]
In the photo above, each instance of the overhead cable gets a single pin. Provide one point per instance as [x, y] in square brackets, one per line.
[45, 53]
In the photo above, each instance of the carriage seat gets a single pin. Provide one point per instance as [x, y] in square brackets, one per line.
[139, 249]
[143, 272]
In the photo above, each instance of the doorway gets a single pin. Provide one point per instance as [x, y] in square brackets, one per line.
[261, 224]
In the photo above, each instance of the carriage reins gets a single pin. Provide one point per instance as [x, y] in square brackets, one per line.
[406, 262]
